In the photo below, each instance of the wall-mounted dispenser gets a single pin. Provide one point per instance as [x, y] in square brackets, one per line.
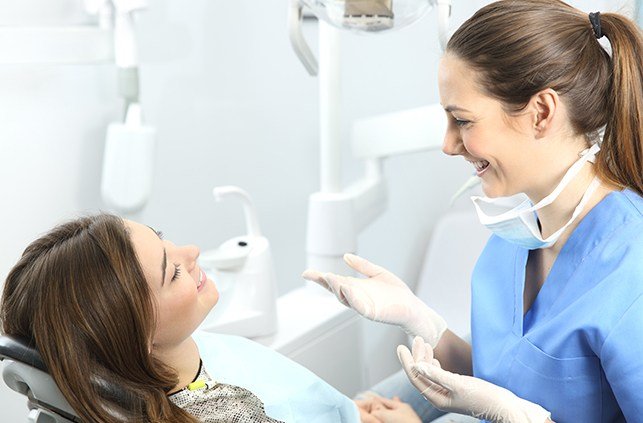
[243, 271]
[128, 162]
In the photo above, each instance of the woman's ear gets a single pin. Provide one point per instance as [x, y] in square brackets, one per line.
[545, 105]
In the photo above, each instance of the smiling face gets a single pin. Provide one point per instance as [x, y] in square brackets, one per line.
[183, 293]
[501, 148]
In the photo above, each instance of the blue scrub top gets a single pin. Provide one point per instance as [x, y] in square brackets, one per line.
[578, 351]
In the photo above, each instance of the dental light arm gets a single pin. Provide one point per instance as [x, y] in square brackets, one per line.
[336, 215]
[297, 40]
[402, 132]
[374, 15]
[336, 218]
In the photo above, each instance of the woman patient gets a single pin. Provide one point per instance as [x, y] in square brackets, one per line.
[108, 300]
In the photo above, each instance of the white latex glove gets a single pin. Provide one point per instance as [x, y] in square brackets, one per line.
[465, 394]
[382, 297]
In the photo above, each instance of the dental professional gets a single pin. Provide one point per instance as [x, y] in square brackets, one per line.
[557, 293]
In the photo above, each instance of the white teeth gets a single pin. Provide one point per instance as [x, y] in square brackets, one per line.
[480, 165]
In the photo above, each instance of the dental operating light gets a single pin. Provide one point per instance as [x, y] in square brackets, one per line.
[361, 16]
[369, 15]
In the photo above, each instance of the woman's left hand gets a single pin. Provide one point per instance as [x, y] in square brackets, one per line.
[465, 394]
[378, 409]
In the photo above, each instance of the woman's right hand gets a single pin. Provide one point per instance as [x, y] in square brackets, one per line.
[395, 411]
[382, 297]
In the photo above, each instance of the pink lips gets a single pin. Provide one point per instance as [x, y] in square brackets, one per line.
[202, 279]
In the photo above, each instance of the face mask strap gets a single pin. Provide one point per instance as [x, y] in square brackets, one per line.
[579, 208]
[586, 155]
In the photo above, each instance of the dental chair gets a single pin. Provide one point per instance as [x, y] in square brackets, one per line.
[24, 371]
[444, 284]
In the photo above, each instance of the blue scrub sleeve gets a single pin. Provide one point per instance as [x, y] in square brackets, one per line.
[622, 361]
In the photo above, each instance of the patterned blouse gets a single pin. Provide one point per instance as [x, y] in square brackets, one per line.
[213, 402]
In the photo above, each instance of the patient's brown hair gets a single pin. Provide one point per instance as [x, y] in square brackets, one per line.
[80, 296]
[520, 47]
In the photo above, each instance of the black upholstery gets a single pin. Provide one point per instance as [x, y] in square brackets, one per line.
[21, 350]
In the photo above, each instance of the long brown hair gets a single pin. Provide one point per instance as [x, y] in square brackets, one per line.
[80, 296]
[520, 47]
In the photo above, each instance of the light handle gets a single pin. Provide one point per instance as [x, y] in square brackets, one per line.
[297, 40]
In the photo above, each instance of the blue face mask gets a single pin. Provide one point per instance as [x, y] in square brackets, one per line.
[514, 218]
[289, 392]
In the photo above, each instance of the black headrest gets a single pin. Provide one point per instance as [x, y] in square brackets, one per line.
[20, 349]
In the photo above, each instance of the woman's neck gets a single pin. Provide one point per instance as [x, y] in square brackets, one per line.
[556, 215]
[183, 358]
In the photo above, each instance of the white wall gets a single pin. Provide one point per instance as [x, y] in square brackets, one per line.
[232, 105]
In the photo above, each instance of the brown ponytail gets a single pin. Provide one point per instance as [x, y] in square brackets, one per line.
[520, 47]
[622, 159]
[79, 294]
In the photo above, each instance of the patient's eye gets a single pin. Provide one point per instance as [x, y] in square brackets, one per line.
[462, 123]
[177, 271]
